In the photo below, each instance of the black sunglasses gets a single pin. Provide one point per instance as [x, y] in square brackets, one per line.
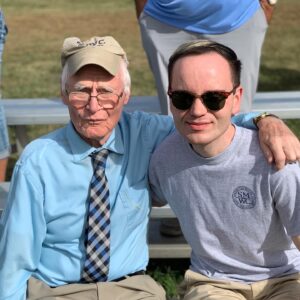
[212, 100]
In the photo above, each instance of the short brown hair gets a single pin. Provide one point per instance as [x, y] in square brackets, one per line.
[198, 47]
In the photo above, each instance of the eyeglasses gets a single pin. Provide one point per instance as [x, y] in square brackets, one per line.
[105, 99]
[212, 100]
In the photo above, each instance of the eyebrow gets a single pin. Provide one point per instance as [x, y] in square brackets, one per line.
[79, 87]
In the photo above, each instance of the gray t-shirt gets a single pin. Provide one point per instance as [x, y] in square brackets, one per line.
[236, 211]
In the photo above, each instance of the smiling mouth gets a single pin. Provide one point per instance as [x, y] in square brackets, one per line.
[198, 125]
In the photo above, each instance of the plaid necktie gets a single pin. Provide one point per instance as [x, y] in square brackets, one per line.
[98, 229]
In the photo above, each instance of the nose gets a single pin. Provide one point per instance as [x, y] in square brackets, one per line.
[94, 92]
[198, 108]
[93, 105]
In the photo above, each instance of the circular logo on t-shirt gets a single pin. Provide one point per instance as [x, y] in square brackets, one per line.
[243, 197]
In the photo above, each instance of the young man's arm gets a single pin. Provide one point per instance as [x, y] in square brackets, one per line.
[277, 141]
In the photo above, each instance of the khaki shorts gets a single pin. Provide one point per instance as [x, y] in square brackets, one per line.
[199, 287]
[132, 288]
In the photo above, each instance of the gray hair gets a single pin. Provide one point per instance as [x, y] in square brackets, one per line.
[65, 75]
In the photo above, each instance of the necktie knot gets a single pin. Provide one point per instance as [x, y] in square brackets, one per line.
[99, 158]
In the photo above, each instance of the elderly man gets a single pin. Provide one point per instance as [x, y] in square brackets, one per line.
[240, 215]
[75, 224]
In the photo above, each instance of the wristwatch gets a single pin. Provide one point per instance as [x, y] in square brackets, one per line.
[272, 2]
[262, 116]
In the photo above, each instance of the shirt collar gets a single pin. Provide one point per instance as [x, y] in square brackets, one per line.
[81, 149]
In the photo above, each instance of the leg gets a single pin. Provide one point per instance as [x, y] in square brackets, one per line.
[287, 287]
[198, 287]
[208, 292]
[159, 42]
[141, 287]
[248, 51]
[38, 290]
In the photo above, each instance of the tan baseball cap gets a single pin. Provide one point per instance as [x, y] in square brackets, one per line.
[105, 52]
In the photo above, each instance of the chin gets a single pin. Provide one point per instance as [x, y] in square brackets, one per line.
[198, 139]
[92, 134]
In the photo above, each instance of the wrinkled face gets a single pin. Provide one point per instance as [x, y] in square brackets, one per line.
[198, 74]
[94, 122]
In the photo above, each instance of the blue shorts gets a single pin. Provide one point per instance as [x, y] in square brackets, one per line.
[4, 142]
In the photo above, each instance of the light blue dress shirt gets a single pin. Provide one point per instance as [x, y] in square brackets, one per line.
[42, 227]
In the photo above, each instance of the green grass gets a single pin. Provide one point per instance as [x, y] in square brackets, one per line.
[280, 62]
[38, 28]
[31, 66]
[169, 279]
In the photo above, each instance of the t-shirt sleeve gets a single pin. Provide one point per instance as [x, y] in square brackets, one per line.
[286, 189]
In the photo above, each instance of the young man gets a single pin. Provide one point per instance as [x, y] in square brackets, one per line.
[164, 25]
[75, 224]
[240, 215]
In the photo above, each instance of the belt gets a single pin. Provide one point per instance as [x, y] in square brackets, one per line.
[129, 275]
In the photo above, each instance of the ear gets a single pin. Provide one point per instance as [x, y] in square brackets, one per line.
[126, 97]
[237, 98]
[64, 97]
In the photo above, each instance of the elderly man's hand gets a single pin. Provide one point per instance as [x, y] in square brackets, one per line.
[278, 142]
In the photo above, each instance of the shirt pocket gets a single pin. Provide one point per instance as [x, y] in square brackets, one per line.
[136, 203]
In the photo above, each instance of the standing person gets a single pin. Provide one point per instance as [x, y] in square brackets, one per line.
[240, 25]
[4, 141]
[240, 215]
[75, 223]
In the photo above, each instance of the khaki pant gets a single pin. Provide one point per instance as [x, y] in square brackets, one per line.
[138, 287]
[199, 287]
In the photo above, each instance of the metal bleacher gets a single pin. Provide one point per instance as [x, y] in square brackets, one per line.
[23, 112]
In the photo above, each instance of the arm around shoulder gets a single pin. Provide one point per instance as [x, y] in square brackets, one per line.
[279, 144]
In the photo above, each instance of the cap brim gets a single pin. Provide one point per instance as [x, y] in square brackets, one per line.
[94, 56]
